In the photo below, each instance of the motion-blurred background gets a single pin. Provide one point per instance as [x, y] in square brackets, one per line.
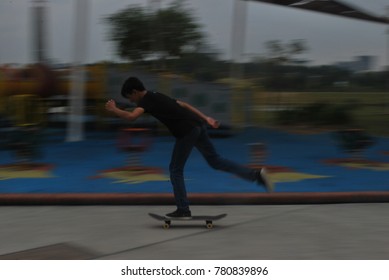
[298, 66]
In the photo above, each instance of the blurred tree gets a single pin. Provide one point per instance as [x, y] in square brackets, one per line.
[177, 30]
[168, 32]
[130, 32]
[281, 53]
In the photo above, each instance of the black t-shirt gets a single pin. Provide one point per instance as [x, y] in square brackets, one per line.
[177, 119]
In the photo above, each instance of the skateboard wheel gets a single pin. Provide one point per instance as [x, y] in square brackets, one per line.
[166, 225]
[209, 225]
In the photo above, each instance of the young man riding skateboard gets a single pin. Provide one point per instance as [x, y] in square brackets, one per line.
[188, 125]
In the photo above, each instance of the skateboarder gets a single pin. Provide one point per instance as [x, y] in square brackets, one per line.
[188, 126]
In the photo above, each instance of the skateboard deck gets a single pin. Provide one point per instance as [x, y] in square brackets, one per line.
[208, 219]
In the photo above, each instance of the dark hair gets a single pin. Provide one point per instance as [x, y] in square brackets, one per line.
[130, 84]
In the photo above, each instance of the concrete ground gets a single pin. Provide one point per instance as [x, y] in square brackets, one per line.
[286, 232]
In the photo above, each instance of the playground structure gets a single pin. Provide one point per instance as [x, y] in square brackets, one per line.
[135, 142]
[353, 142]
[30, 94]
[36, 97]
[33, 94]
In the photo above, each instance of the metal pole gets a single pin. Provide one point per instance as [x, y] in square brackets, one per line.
[386, 69]
[387, 46]
[238, 34]
[237, 48]
[39, 31]
[75, 130]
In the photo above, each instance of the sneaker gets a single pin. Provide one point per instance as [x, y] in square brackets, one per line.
[261, 177]
[180, 214]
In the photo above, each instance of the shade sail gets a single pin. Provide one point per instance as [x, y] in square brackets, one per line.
[330, 7]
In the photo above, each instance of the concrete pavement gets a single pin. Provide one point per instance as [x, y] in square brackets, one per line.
[303, 232]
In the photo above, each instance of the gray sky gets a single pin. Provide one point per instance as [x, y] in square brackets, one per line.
[329, 38]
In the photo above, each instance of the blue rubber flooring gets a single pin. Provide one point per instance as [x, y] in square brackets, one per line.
[95, 165]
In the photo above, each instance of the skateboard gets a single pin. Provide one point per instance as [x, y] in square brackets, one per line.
[208, 219]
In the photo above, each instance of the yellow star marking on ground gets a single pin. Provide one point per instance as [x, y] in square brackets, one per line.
[133, 177]
[14, 173]
[279, 177]
[370, 166]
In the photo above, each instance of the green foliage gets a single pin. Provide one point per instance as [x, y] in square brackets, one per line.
[175, 30]
[280, 53]
[317, 114]
[139, 33]
[129, 31]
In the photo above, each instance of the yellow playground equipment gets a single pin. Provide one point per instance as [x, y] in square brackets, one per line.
[25, 110]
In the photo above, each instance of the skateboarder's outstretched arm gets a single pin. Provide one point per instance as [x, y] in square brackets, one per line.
[131, 116]
[211, 121]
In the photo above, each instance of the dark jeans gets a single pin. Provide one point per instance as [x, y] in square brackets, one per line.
[199, 138]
